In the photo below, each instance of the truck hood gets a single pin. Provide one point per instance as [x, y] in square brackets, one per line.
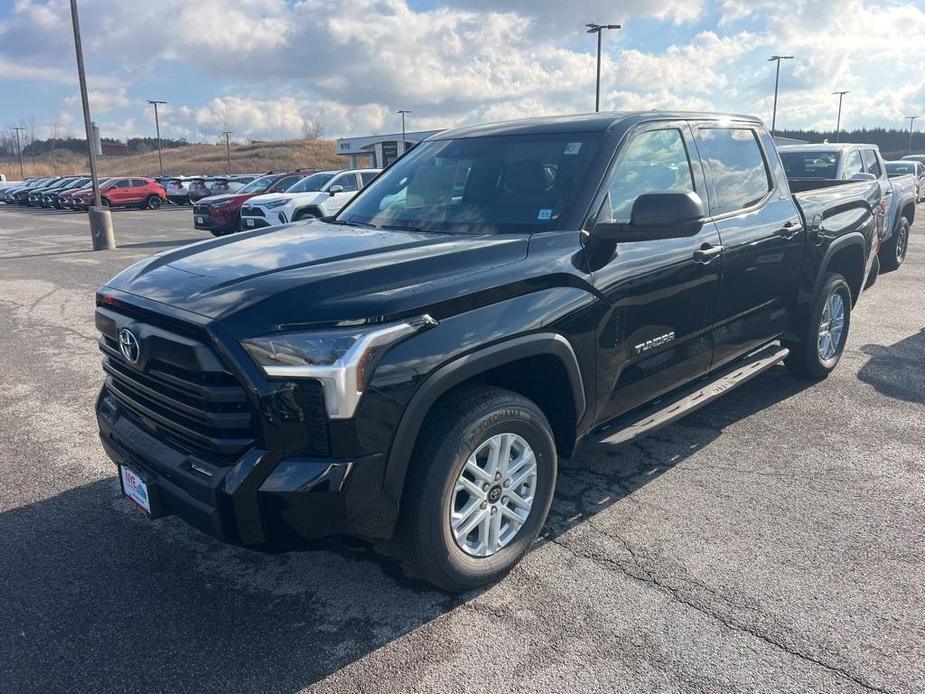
[234, 197]
[314, 272]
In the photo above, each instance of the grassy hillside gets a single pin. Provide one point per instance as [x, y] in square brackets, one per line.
[190, 160]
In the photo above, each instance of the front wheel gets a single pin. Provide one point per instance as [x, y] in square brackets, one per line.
[826, 332]
[893, 253]
[479, 489]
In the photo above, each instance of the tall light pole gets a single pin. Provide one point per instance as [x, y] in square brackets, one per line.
[912, 120]
[777, 58]
[403, 111]
[597, 29]
[101, 235]
[18, 129]
[841, 95]
[157, 126]
[226, 133]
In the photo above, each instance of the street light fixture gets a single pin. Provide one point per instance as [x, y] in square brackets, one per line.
[841, 95]
[776, 58]
[226, 133]
[912, 120]
[597, 29]
[157, 125]
[101, 235]
[403, 111]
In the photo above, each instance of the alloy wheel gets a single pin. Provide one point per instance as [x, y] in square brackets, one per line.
[901, 243]
[493, 495]
[832, 326]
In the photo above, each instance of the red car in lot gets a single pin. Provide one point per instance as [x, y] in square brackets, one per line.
[125, 192]
[221, 214]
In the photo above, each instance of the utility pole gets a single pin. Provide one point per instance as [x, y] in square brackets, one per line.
[777, 58]
[403, 111]
[101, 234]
[841, 95]
[157, 126]
[22, 174]
[226, 133]
[597, 29]
[912, 120]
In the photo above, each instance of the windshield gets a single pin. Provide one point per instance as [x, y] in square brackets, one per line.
[258, 185]
[514, 183]
[311, 183]
[810, 164]
[900, 169]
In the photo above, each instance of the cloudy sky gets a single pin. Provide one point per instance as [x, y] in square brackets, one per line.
[265, 68]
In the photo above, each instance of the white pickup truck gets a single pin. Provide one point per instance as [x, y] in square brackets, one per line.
[819, 166]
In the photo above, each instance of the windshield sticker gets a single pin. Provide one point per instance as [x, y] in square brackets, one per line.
[572, 148]
[545, 214]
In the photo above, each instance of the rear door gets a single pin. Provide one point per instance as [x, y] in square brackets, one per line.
[761, 233]
[660, 293]
[138, 192]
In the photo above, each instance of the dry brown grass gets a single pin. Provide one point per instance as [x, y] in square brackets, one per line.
[190, 160]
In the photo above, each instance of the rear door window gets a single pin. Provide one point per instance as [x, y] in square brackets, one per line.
[736, 167]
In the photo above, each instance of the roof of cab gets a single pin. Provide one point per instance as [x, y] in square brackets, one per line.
[581, 122]
[826, 147]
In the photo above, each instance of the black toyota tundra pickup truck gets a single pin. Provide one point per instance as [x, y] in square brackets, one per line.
[415, 366]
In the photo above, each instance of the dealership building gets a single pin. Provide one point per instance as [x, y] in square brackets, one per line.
[378, 151]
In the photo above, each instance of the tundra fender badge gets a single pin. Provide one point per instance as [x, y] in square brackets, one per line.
[654, 342]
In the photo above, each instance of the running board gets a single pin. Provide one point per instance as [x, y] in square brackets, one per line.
[634, 426]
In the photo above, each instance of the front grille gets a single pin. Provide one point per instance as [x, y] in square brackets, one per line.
[182, 394]
[202, 210]
[248, 211]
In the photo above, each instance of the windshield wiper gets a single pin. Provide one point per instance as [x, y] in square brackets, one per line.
[401, 227]
[344, 222]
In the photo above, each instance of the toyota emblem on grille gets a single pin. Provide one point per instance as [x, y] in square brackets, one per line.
[128, 345]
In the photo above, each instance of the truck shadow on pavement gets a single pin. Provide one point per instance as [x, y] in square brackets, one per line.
[897, 371]
[94, 598]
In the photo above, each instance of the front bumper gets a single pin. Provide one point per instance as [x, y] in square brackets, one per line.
[265, 500]
[215, 222]
[248, 223]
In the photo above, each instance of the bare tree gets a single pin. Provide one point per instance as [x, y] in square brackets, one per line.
[312, 130]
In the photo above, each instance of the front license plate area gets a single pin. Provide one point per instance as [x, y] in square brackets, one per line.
[141, 489]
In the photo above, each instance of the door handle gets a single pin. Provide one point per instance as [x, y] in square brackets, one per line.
[789, 230]
[707, 252]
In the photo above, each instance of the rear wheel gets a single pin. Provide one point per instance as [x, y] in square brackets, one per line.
[479, 490]
[893, 253]
[826, 332]
[154, 202]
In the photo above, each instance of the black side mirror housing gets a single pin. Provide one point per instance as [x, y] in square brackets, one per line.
[669, 215]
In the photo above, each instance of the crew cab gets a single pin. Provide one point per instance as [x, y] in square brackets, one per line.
[320, 194]
[414, 366]
[813, 166]
[221, 214]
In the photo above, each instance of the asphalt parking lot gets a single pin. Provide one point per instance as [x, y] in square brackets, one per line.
[772, 541]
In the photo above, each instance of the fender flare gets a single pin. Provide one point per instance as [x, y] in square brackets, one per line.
[854, 238]
[462, 369]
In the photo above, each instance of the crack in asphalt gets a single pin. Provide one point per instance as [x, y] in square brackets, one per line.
[645, 576]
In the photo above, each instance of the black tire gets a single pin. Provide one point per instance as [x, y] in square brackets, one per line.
[894, 252]
[805, 359]
[153, 202]
[459, 425]
[104, 202]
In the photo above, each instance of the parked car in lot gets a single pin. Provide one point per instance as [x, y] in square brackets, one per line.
[21, 195]
[72, 199]
[322, 193]
[811, 166]
[221, 214]
[125, 192]
[7, 195]
[50, 197]
[177, 190]
[916, 169]
[417, 364]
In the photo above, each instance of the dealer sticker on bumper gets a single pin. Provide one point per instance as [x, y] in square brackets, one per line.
[135, 488]
[200, 220]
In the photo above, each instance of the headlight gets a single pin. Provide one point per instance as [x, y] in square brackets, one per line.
[343, 359]
[275, 203]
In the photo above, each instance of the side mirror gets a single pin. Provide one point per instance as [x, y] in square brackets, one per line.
[658, 216]
[863, 176]
[335, 189]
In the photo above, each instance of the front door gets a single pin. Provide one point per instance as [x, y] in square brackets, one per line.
[762, 236]
[660, 294]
